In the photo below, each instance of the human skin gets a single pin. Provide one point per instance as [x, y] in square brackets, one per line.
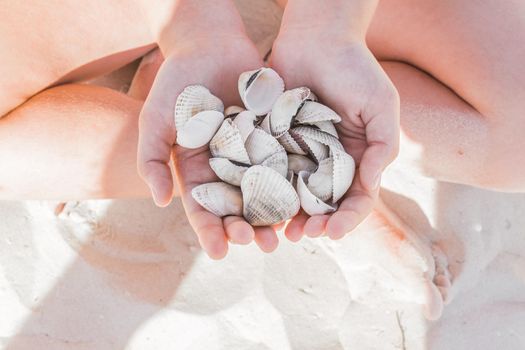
[457, 133]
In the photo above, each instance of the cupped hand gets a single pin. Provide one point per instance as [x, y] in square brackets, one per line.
[215, 62]
[347, 78]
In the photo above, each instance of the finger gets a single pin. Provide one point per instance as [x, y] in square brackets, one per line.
[294, 229]
[266, 239]
[238, 230]
[315, 226]
[355, 207]
[382, 136]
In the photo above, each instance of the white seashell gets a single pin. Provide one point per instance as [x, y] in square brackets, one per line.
[245, 122]
[228, 143]
[199, 130]
[298, 163]
[344, 171]
[309, 202]
[265, 123]
[192, 100]
[320, 183]
[326, 126]
[312, 97]
[261, 145]
[268, 197]
[312, 112]
[232, 111]
[260, 89]
[315, 149]
[228, 171]
[285, 109]
[219, 198]
[278, 162]
[317, 135]
[290, 176]
[290, 145]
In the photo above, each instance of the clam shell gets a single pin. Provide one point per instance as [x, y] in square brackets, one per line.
[312, 97]
[285, 109]
[227, 170]
[268, 197]
[328, 127]
[315, 149]
[260, 89]
[312, 112]
[298, 163]
[344, 171]
[278, 162]
[309, 202]
[316, 135]
[245, 122]
[199, 130]
[265, 123]
[228, 143]
[192, 100]
[261, 145]
[233, 111]
[290, 145]
[320, 183]
[219, 198]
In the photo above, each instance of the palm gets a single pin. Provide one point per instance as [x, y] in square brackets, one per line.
[217, 67]
[348, 79]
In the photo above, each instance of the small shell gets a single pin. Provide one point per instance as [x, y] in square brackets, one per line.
[312, 112]
[312, 97]
[268, 197]
[310, 203]
[245, 122]
[290, 145]
[328, 127]
[219, 198]
[298, 163]
[320, 183]
[344, 171]
[317, 135]
[278, 162]
[228, 171]
[261, 145]
[265, 123]
[199, 130]
[285, 109]
[260, 89]
[228, 143]
[315, 149]
[192, 100]
[232, 111]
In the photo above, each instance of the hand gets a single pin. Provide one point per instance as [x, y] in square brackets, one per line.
[214, 59]
[347, 78]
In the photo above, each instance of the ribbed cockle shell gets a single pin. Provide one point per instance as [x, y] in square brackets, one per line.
[285, 109]
[219, 198]
[228, 143]
[192, 100]
[199, 130]
[260, 89]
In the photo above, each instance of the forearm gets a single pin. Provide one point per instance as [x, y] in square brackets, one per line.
[347, 17]
[185, 22]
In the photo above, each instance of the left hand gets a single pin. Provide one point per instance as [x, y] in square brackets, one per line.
[347, 78]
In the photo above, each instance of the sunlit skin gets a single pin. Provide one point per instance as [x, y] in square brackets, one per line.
[459, 134]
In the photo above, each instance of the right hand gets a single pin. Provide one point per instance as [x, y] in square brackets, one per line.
[214, 60]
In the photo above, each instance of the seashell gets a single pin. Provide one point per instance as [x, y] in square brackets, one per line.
[290, 145]
[219, 198]
[265, 123]
[298, 163]
[192, 100]
[261, 145]
[285, 109]
[315, 149]
[228, 143]
[227, 170]
[316, 135]
[344, 171]
[199, 130]
[260, 89]
[309, 202]
[245, 122]
[312, 97]
[320, 183]
[232, 111]
[290, 176]
[278, 162]
[326, 126]
[268, 197]
[312, 112]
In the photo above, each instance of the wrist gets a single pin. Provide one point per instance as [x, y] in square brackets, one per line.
[188, 23]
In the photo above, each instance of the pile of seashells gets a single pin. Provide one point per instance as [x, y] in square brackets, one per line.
[279, 154]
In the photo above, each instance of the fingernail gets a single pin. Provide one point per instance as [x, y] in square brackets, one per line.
[154, 194]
